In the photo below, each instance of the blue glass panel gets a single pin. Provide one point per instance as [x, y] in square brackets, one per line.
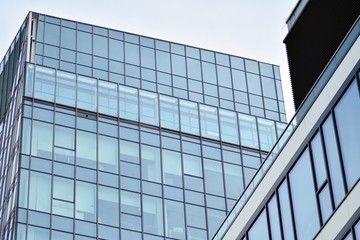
[285, 211]
[229, 126]
[347, 116]
[128, 103]
[132, 54]
[65, 88]
[42, 139]
[87, 93]
[318, 159]
[259, 230]
[303, 198]
[101, 46]
[194, 69]
[116, 50]
[52, 34]
[163, 61]
[224, 76]
[178, 65]
[195, 216]
[150, 163]
[172, 170]
[149, 109]
[325, 203]
[233, 180]
[248, 131]
[44, 83]
[169, 112]
[209, 122]
[209, 72]
[85, 202]
[108, 154]
[68, 38]
[152, 215]
[86, 149]
[84, 42]
[108, 206]
[174, 219]
[268, 87]
[40, 191]
[273, 215]
[267, 133]
[108, 99]
[214, 183]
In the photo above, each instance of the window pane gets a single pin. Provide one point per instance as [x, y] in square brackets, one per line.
[85, 201]
[224, 76]
[87, 93]
[86, 149]
[318, 159]
[153, 215]
[209, 72]
[29, 85]
[128, 103]
[248, 131]
[108, 154]
[84, 42]
[169, 112]
[149, 112]
[129, 151]
[40, 191]
[178, 65]
[163, 61]
[130, 202]
[150, 163]
[259, 230]
[52, 34]
[132, 53]
[303, 198]
[233, 180]
[268, 87]
[285, 211]
[172, 168]
[189, 117]
[68, 38]
[239, 80]
[229, 127]
[108, 99]
[44, 83]
[333, 160]
[174, 219]
[64, 137]
[42, 139]
[267, 134]
[100, 46]
[347, 116]
[192, 165]
[209, 122]
[274, 218]
[253, 82]
[108, 202]
[325, 203]
[213, 177]
[116, 50]
[65, 88]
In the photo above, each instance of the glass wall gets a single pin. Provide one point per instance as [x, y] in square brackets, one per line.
[318, 182]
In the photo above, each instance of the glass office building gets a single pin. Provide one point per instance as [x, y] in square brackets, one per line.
[308, 187]
[111, 135]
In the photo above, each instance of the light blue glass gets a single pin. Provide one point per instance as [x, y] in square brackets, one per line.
[87, 93]
[42, 139]
[130, 203]
[224, 76]
[149, 109]
[68, 38]
[195, 216]
[132, 54]
[52, 34]
[64, 137]
[150, 163]
[26, 136]
[172, 170]
[84, 42]
[233, 180]
[85, 202]
[86, 149]
[108, 206]
[147, 57]
[285, 211]
[251, 66]
[23, 188]
[347, 121]
[65, 88]
[101, 46]
[40, 192]
[37, 233]
[268, 87]
[259, 229]
[63, 196]
[116, 50]
[248, 131]
[215, 218]
[229, 126]
[56, 235]
[174, 219]
[209, 122]
[253, 82]
[130, 222]
[192, 165]
[214, 183]
[326, 208]
[163, 61]
[304, 198]
[152, 215]
[178, 65]
[267, 134]
[266, 69]
[108, 154]
[128, 103]
[169, 112]
[129, 151]
[209, 73]
[108, 99]
[193, 68]
[44, 83]
[29, 82]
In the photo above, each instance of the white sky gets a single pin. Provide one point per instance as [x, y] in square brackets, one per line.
[248, 28]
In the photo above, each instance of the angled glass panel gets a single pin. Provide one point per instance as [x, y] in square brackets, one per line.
[44, 88]
[274, 218]
[248, 131]
[108, 99]
[152, 215]
[29, 82]
[303, 198]
[128, 103]
[172, 170]
[209, 122]
[267, 133]
[85, 204]
[189, 115]
[87, 93]
[169, 112]
[285, 211]
[318, 159]
[65, 88]
[229, 126]
[149, 109]
[150, 163]
[108, 154]
[347, 116]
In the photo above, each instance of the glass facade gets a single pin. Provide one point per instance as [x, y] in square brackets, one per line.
[326, 171]
[121, 136]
